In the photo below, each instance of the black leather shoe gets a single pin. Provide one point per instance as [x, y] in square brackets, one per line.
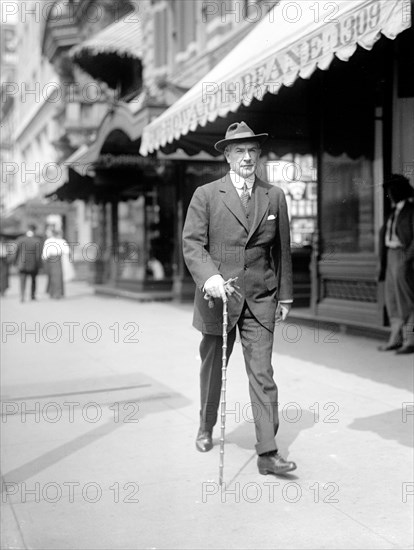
[405, 349]
[389, 347]
[204, 441]
[274, 464]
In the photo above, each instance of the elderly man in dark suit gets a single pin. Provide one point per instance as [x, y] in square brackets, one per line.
[28, 259]
[397, 265]
[238, 226]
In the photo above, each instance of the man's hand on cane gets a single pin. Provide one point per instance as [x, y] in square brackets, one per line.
[217, 287]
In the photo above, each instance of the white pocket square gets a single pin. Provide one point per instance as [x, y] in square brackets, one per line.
[271, 217]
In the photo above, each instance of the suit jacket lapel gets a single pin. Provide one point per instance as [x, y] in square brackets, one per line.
[261, 206]
[232, 200]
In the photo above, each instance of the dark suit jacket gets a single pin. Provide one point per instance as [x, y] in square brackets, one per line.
[217, 240]
[28, 256]
[404, 229]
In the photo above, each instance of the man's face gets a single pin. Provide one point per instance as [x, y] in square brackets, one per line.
[243, 157]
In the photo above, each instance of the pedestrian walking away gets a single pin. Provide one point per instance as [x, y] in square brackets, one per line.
[237, 227]
[28, 260]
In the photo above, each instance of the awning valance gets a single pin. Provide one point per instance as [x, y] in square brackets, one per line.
[127, 120]
[291, 41]
[123, 38]
[114, 54]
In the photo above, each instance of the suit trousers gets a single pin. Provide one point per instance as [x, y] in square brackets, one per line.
[23, 275]
[399, 298]
[257, 344]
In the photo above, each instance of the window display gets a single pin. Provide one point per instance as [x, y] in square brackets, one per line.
[296, 175]
[347, 221]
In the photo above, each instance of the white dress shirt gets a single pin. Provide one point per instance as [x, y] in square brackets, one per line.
[238, 182]
[391, 238]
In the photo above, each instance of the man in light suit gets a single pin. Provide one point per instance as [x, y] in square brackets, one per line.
[238, 226]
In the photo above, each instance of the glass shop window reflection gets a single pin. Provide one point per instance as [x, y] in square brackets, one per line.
[296, 175]
[347, 204]
[132, 239]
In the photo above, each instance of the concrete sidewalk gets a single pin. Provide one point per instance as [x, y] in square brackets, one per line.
[106, 459]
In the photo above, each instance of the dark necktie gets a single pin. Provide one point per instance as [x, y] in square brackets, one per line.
[245, 196]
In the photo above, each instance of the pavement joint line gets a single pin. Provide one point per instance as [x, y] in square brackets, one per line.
[104, 390]
[363, 525]
[13, 511]
[62, 452]
[138, 400]
[154, 397]
[241, 469]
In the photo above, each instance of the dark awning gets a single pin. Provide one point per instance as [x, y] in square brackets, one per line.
[123, 38]
[112, 54]
[119, 132]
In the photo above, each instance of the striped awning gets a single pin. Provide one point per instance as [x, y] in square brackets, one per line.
[123, 38]
[291, 41]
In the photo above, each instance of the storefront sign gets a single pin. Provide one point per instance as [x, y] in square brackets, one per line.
[361, 24]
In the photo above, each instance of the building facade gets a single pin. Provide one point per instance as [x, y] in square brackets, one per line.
[164, 47]
[335, 90]
[338, 112]
[7, 78]
[53, 109]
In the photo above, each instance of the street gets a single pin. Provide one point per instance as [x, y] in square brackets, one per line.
[100, 412]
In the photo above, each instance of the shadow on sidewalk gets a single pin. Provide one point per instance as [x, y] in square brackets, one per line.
[395, 425]
[358, 355]
[244, 435]
[143, 397]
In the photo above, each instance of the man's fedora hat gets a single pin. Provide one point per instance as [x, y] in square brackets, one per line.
[239, 131]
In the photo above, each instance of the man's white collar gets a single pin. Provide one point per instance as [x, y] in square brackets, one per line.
[399, 205]
[238, 181]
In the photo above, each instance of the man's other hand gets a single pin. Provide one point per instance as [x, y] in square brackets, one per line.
[215, 287]
[282, 310]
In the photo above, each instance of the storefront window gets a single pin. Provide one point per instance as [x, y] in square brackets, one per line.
[347, 205]
[146, 235]
[296, 175]
[132, 239]
[159, 232]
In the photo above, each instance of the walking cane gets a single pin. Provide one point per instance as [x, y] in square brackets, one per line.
[223, 391]
[227, 285]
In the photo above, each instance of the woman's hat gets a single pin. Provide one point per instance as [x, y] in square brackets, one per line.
[399, 187]
[239, 131]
